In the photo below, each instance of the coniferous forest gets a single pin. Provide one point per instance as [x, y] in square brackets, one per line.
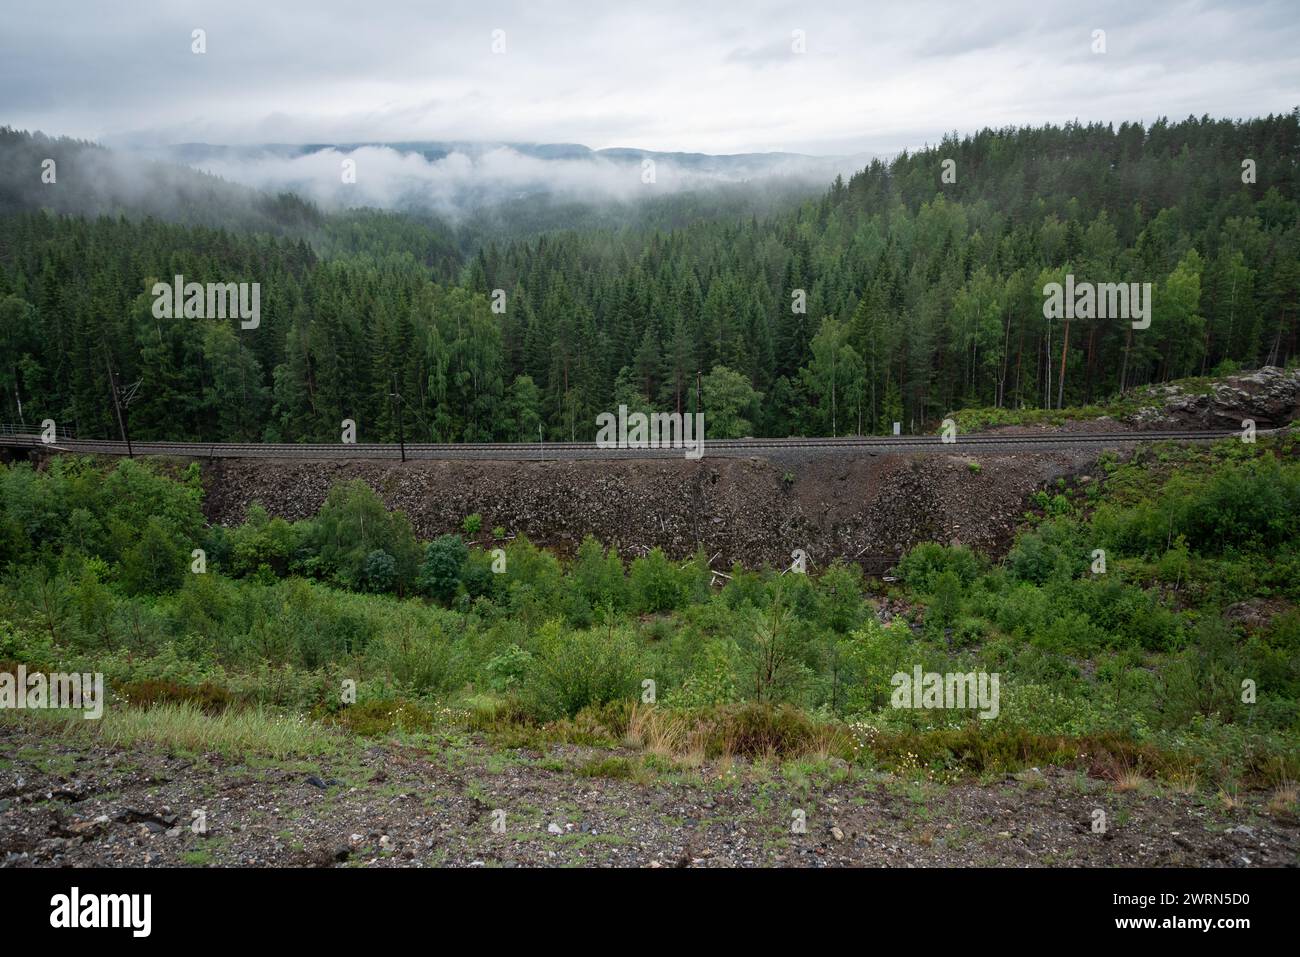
[892, 296]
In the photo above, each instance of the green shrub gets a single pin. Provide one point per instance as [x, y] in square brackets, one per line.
[260, 541]
[571, 670]
[655, 583]
[156, 562]
[476, 575]
[379, 574]
[1252, 506]
[533, 580]
[598, 576]
[611, 766]
[774, 650]
[946, 603]
[376, 717]
[712, 680]
[352, 525]
[444, 558]
[756, 730]
[508, 669]
[413, 649]
[923, 565]
[207, 697]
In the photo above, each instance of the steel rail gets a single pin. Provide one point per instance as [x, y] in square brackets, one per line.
[589, 450]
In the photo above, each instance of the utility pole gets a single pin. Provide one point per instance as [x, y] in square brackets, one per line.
[401, 435]
[117, 404]
[1048, 394]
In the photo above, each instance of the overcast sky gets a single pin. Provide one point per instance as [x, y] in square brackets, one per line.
[697, 76]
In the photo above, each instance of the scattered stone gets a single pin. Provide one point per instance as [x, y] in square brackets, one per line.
[635, 824]
[90, 826]
[160, 821]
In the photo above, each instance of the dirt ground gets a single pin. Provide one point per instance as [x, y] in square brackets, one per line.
[388, 804]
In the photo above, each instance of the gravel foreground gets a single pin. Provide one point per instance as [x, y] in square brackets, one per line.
[66, 802]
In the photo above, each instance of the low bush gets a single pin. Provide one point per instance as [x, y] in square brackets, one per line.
[376, 717]
[209, 698]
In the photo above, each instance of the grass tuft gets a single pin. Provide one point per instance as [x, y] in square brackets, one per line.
[185, 727]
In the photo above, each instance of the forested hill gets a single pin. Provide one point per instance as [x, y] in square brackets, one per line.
[88, 180]
[922, 296]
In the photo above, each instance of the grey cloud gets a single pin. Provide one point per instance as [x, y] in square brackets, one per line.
[774, 53]
[674, 75]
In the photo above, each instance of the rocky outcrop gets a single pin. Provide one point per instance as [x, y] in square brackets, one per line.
[1270, 396]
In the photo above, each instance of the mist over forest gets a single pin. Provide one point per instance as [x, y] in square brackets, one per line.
[457, 179]
[480, 190]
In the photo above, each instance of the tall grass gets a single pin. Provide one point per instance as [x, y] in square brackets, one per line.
[184, 727]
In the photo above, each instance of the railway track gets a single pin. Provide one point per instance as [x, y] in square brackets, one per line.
[569, 451]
